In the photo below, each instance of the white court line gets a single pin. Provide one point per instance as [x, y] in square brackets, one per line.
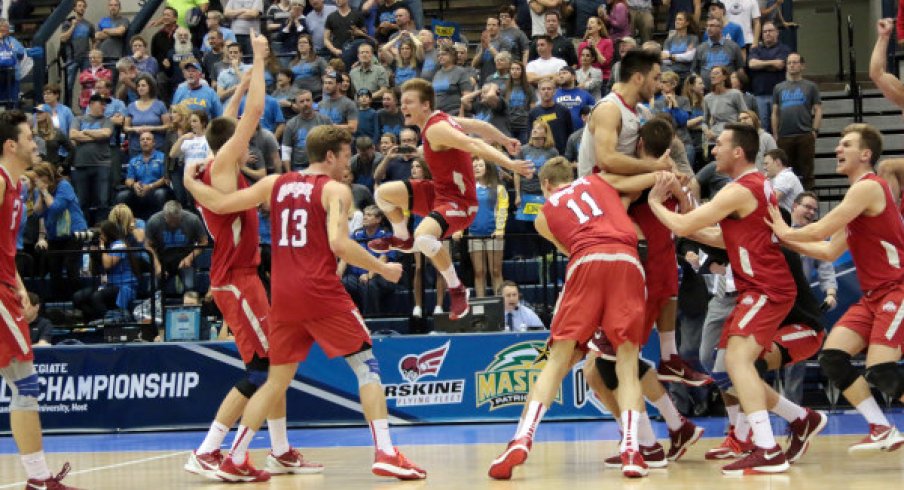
[108, 467]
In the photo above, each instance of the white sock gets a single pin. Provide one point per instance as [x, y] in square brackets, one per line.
[872, 413]
[645, 434]
[532, 417]
[451, 277]
[214, 438]
[668, 411]
[35, 466]
[630, 420]
[400, 230]
[240, 445]
[279, 439]
[668, 347]
[788, 410]
[733, 411]
[742, 427]
[379, 429]
[762, 431]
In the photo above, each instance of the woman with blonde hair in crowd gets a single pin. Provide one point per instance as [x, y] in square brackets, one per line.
[485, 235]
[420, 171]
[407, 60]
[53, 137]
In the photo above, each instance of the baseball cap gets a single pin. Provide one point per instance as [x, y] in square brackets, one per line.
[364, 91]
[190, 63]
[99, 98]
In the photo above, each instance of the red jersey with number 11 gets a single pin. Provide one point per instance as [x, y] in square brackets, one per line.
[304, 283]
[587, 213]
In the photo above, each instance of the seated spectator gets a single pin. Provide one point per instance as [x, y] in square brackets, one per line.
[502, 74]
[285, 92]
[11, 53]
[485, 235]
[263, 156]
[294, 138]
[60, 114]
[518, 316]
[147, 188]
[183, 50]
[215, 23]
[189, 148]
[195, 95]
[367, 289]
[308, 68]
[364, 161]
[147, 114]
[58, 205]
[367, 116]
[131, 229]
[428, 45]
[396, 163]
[624, 45]
[361, 195]
[40, 328]
[571, 97]
[93, 159]
[175, 238]
[128, 73]
[556, 117]
[390, 119]
[538, 150]
[54, 139]
[121, 286]
[741, 83]
[785, 183]
[90, 75]
[245, 15]
[141, 57]
[231, 74]
[116, 109]
[488, 105]
[574, 139]
[111, 31]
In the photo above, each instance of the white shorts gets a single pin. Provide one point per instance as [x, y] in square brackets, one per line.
[486, 244]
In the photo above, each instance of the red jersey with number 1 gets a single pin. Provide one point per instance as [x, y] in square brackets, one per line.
[587, 213]
[304, 283]
[452, 170]
[877, 244]
[236, 236]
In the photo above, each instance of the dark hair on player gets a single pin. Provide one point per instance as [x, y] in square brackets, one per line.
[219, 131]
[657, 135]
[637, 61]
[745, 137]
[10, 126]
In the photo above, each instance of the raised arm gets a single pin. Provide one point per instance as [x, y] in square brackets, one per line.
[233, 202]
[892, 170]
[235, 102]
[891, 87]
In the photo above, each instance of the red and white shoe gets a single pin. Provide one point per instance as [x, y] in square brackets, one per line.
[801, 431]
[653, 456]
[758, 461]
[204, 464]
[633, 464]
[245, 472]
[291, 462]
[458, 302]
[880, 438]
[52, 483]
[515, 454]
[730, 448]
[686, 436]
[384, 245]
[677, 370]
[395, 465]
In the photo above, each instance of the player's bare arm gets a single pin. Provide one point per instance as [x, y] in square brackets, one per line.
[731, 199]
[826, 250]
[629, 184]
[442, 136]
[711, 235]
[605, 123]
[865, 196]
[223, 203]
[232, 108]
[543, 229]
[892, 170]
[891, 87]
[336, 199]
[489, 133]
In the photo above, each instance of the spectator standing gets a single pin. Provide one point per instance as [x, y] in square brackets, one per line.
[215, 23]
[111, 31]
[344, 34]
[545, 65]
[519, 98]
[618, 20]
[369, 74]
[54, 138]
[390, 119]
[77, 36]
[501, 76]
[184, 10]
[141, 58]
[517, 39]
[785, 184]
[796, 117]
[678, 107]
[557, 117]
[91, 165]
[583, 11]
[173, 239]
[361, 195]
[571, 97]
[745, 13]
[488, 105]
[694, 93]
[540, 149]
[341, 110]
[183, 50]
[277, 19]
[625, 44]
[767, 143]
[116, 109]
[491, 44]
[641, 18]
[147, 187]
[11, 54]
[562, 47]
[596, 38]
[722, 106]
[428, 46]
[128, 72]
[766, 65]
[164, 39]
[147, 113]
[197, 96]
[716, 51]
[406, 60]
[518, 316]
[316, 23]
[61, 115]
[739, 81]
[367, 116]
[486, 233]
[386, 21]
[212, 59]
[90, 75]
[680, 47]
[245, 15]
[294, 138]
[363, 163]
[231, 73]
[308, 68]
[285, 92]
[537, 10]
[450, 82]
[397, 160]
[461, 59]
[729, 30]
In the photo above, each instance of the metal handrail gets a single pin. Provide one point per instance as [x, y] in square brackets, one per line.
[854, 85]
[840, 42]
[40, 39]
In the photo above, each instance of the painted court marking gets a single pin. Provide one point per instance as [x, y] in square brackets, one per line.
[109, 466]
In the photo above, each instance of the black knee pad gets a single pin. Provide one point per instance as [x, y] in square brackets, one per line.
[836, 365]
[255, 376]
[761, 367]
[642, 368]
[887, 378]
[606, 368]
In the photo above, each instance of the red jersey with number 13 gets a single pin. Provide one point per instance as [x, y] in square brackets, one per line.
[452, 170]
[587, 213]
[304, 283]
[10, 218]
[236, 236]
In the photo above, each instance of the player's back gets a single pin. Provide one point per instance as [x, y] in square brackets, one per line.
[10, 214]
[452, 170]
[586, 214]
[303, 277]
[236, 236]
[877, 244]
[756, 259]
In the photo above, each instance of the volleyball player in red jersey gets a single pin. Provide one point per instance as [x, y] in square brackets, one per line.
[309, 219]
[868, 223]
[448, 203]
[766, 289]
[238, 291]
[586, 220]
[17, 149]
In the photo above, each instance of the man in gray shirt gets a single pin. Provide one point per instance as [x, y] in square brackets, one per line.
[716, 51]
[796, 117]
[341, 110]
[369, 75]
[173, 237]
[111, 31]
[245, 15]
[294, 138]
[316, 22]
[90, 134]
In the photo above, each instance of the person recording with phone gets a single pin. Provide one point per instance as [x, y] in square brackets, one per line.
[396, 163]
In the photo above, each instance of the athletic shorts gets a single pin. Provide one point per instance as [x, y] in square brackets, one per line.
[661, 270]
[756, 315]
[800, 341]
[584, 305]
[486, 244]
[15, 337]
[453, 214]
[342, 334]
[243, 302]
[877, 318]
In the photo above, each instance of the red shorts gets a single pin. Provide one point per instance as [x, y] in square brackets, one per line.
[652, 310]
[755, 315]
[243, 302]
[583, 306]
[799, 340]
[338, 335]
[877, 318]
[15, 337]
[457, 213]
[661, 271]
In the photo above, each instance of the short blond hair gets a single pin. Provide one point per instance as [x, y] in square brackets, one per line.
[557, 170]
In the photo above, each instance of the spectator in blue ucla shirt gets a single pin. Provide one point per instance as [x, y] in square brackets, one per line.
[147, 188]
[367, 289]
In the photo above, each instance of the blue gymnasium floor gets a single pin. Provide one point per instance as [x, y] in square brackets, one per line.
[457, 434]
